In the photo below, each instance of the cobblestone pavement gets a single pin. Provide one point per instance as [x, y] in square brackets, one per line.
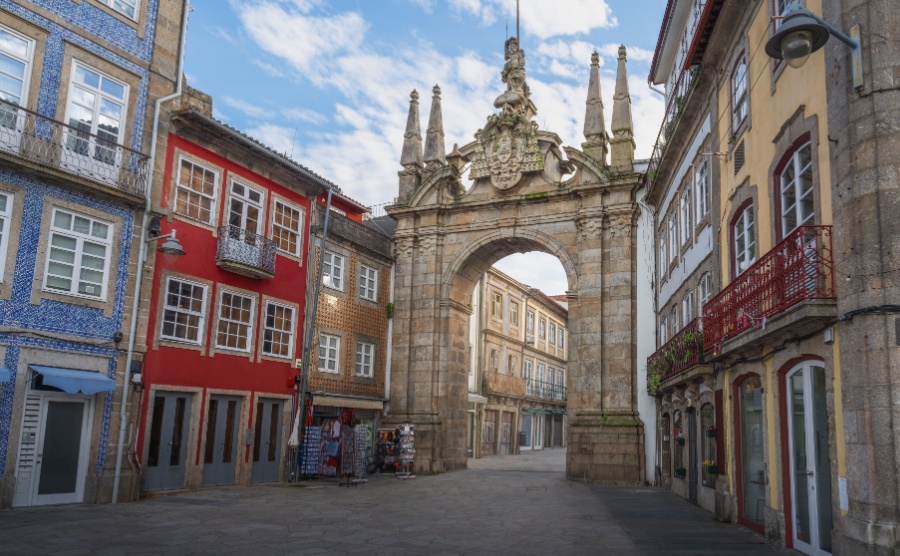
[501, 505]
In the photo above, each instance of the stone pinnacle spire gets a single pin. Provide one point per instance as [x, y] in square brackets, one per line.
[594, 125]
[622, 142]
[412, 139]
[434, 137]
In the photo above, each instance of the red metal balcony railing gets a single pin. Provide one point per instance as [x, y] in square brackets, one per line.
[44, 142]
[679, 354]
[800, 268]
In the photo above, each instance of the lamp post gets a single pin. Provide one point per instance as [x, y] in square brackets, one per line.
[803, 32]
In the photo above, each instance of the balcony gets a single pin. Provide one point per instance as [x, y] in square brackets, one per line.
[245, 253]
[34, 143]
[789, 292]
[541, 390]
[683, 352]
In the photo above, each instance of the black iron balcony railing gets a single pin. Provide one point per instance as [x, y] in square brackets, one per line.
[44, 142]
[544, 390]
[246, 253]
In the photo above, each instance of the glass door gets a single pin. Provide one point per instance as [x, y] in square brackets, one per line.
[221, 449]
[167, 446]
[62, 459]
[809, 459]
[266, 441]
[752, 494]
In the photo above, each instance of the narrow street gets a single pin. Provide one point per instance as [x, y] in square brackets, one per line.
[502, 505]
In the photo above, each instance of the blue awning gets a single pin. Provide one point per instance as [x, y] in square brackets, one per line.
[5, 375]
[73, 381]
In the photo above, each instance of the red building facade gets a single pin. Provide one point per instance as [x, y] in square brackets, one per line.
[225, 323]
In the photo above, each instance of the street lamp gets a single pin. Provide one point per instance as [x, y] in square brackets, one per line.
[803, 32]
[171, 246]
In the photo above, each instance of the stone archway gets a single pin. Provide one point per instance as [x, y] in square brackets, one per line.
[529, 194]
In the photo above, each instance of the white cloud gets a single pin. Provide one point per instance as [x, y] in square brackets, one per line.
[543, 18]
[538, 270]
[248, 108]
[305, 115]
[634, 53]
[279, 138]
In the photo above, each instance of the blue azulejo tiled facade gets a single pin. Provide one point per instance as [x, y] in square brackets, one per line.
[63, 291]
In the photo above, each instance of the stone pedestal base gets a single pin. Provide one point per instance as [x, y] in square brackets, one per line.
[605, 448]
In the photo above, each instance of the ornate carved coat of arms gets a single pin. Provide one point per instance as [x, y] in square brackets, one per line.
[507, 148]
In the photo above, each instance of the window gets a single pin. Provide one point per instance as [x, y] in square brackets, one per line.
[195, 191]
[364, 353]
[673, 236]
[705, 288]
[708, 428]
[744, 240]
[527, 374]
[287, 228]
[687, 307]
[701, 178]
[333, 275]
[15, 71]
[514, 314]
[542, 328]
[686, 210]
[676, 324]
[780, 7]
[510, 364]
[183, 314]
[6, 204]
[529, 321]
[796, 184]
[329, 347]
[663, 260]
[245, 207]
[560, 385]
[562, 338]
[539, 381]
[368, 281]
[552, 334]
[663, 331]
[94, 112]
[78, 258]
[278, 331]
[740, 98]
[496, 305]
[126, 7]
[235, 327]
[494, 361]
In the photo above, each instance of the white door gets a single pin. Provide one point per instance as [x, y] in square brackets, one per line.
[809, 459]
[57, 467]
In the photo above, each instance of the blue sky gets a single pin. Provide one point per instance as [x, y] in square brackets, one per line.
[328, 81]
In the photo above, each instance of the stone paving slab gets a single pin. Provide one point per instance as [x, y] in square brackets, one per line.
[502, 505]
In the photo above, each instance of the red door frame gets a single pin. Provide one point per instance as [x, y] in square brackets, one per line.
[738, 464]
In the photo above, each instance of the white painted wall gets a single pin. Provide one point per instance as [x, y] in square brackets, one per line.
[646, 332]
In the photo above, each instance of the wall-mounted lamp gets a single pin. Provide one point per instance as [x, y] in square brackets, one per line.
[169, 247]
[803, 32]
[137, 378]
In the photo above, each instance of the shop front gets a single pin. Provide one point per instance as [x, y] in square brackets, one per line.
[339, 438]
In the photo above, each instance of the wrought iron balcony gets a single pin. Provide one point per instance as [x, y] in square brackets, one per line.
[800, 268]
[39, 143]
[246, 253]
[681, 353]
[544, 390]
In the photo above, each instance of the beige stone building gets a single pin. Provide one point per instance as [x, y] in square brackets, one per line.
[517, 381]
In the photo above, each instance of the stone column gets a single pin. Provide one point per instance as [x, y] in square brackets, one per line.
[864, 133]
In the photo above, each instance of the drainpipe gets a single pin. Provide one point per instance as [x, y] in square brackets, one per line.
[142, 257]
[390, 346]
[300, 418]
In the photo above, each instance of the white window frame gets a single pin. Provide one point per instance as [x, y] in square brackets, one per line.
[330, 278]
[113, 4]
[796, 185]
[663, 255]
[686, 209]
[494, 361]
[687, 307]
[368, 274]
[220, 319]
[514, 313]
[267, 329]
[551, 335]
[561, 341]
[527, 374]
[529, 321]
[245, 199]
[560, 383]
[298, 232]
[675, 322]
[496, 305]
[100, 95]
[673, 236]
[702, 177]
[740, 93]
[329, 345]
[212, 198]
[510, 363]
[201, 323]
[663, 331]
[5, 223]
[542, 328]
[27, 61]
[539, 381]
[77, 267]
[363, 350]
[705, 288]
[744, 240]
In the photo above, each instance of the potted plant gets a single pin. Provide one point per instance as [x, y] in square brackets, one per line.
[679, 440]
[711, 431]
[711, 467]
[680, 472]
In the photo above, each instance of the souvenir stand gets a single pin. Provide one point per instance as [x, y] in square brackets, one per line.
[407, 449]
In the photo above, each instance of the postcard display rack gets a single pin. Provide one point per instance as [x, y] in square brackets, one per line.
[353, 455]
[407, 445]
